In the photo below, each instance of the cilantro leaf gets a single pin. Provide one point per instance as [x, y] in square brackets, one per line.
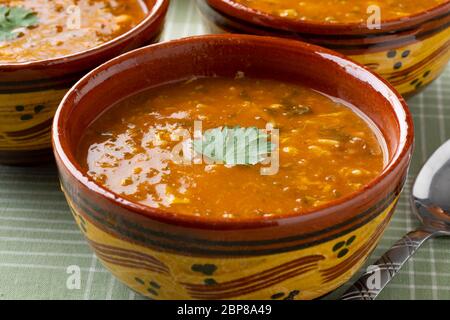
[13, 18]
[235, 146]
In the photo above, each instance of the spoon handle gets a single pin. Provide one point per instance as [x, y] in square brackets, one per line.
[370, 284]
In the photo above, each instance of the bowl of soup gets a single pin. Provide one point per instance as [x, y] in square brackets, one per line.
[404, 41]
[45, 47]
[232, 166]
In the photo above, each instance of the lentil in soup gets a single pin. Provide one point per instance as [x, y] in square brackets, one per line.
[52, 29]
[340, 11]
[326, 149]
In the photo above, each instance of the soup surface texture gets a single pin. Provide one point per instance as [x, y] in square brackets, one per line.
[326, 150]
[340, 11]
[64, 27]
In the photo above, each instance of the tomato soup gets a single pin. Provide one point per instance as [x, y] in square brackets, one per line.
[340, 11]
[326, 149]
[42, 29]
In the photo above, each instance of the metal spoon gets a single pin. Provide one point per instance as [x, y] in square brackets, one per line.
[430, 201]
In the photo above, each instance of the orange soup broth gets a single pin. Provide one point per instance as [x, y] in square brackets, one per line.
[58, 34]
[326, 150]
[340, 11]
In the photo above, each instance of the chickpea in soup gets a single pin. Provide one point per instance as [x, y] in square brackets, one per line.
[42, 29]
[326, 149]
[340, 11]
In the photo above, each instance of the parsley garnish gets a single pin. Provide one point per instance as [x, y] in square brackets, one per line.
[235, 146]
[14, 18]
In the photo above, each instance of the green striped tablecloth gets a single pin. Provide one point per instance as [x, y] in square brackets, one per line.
[39, 240]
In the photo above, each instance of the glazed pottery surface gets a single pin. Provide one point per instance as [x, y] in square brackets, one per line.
[409, 52]
[31, 91]
[167, 256]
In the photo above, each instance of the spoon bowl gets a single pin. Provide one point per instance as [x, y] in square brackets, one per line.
[430, 202]
[430, 197]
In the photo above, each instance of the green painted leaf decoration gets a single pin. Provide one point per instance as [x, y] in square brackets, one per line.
[14, 18]
[235, 146]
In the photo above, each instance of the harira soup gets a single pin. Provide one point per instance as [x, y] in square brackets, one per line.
[325, 149]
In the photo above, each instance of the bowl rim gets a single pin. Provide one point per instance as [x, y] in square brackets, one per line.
[158, 8]
[264, 19]
[67, 159]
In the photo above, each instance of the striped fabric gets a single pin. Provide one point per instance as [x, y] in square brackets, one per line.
[39, 240]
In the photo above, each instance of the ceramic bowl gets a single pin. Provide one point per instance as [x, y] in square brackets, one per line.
[167, 256]
[31, 91]
[409, 52]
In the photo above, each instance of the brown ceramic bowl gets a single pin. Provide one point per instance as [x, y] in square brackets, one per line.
[410, 52]
[31, 91]
[167, 256]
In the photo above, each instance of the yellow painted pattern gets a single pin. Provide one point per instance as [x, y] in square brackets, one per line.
[181, 273]
[25, 119]
[412, 66]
